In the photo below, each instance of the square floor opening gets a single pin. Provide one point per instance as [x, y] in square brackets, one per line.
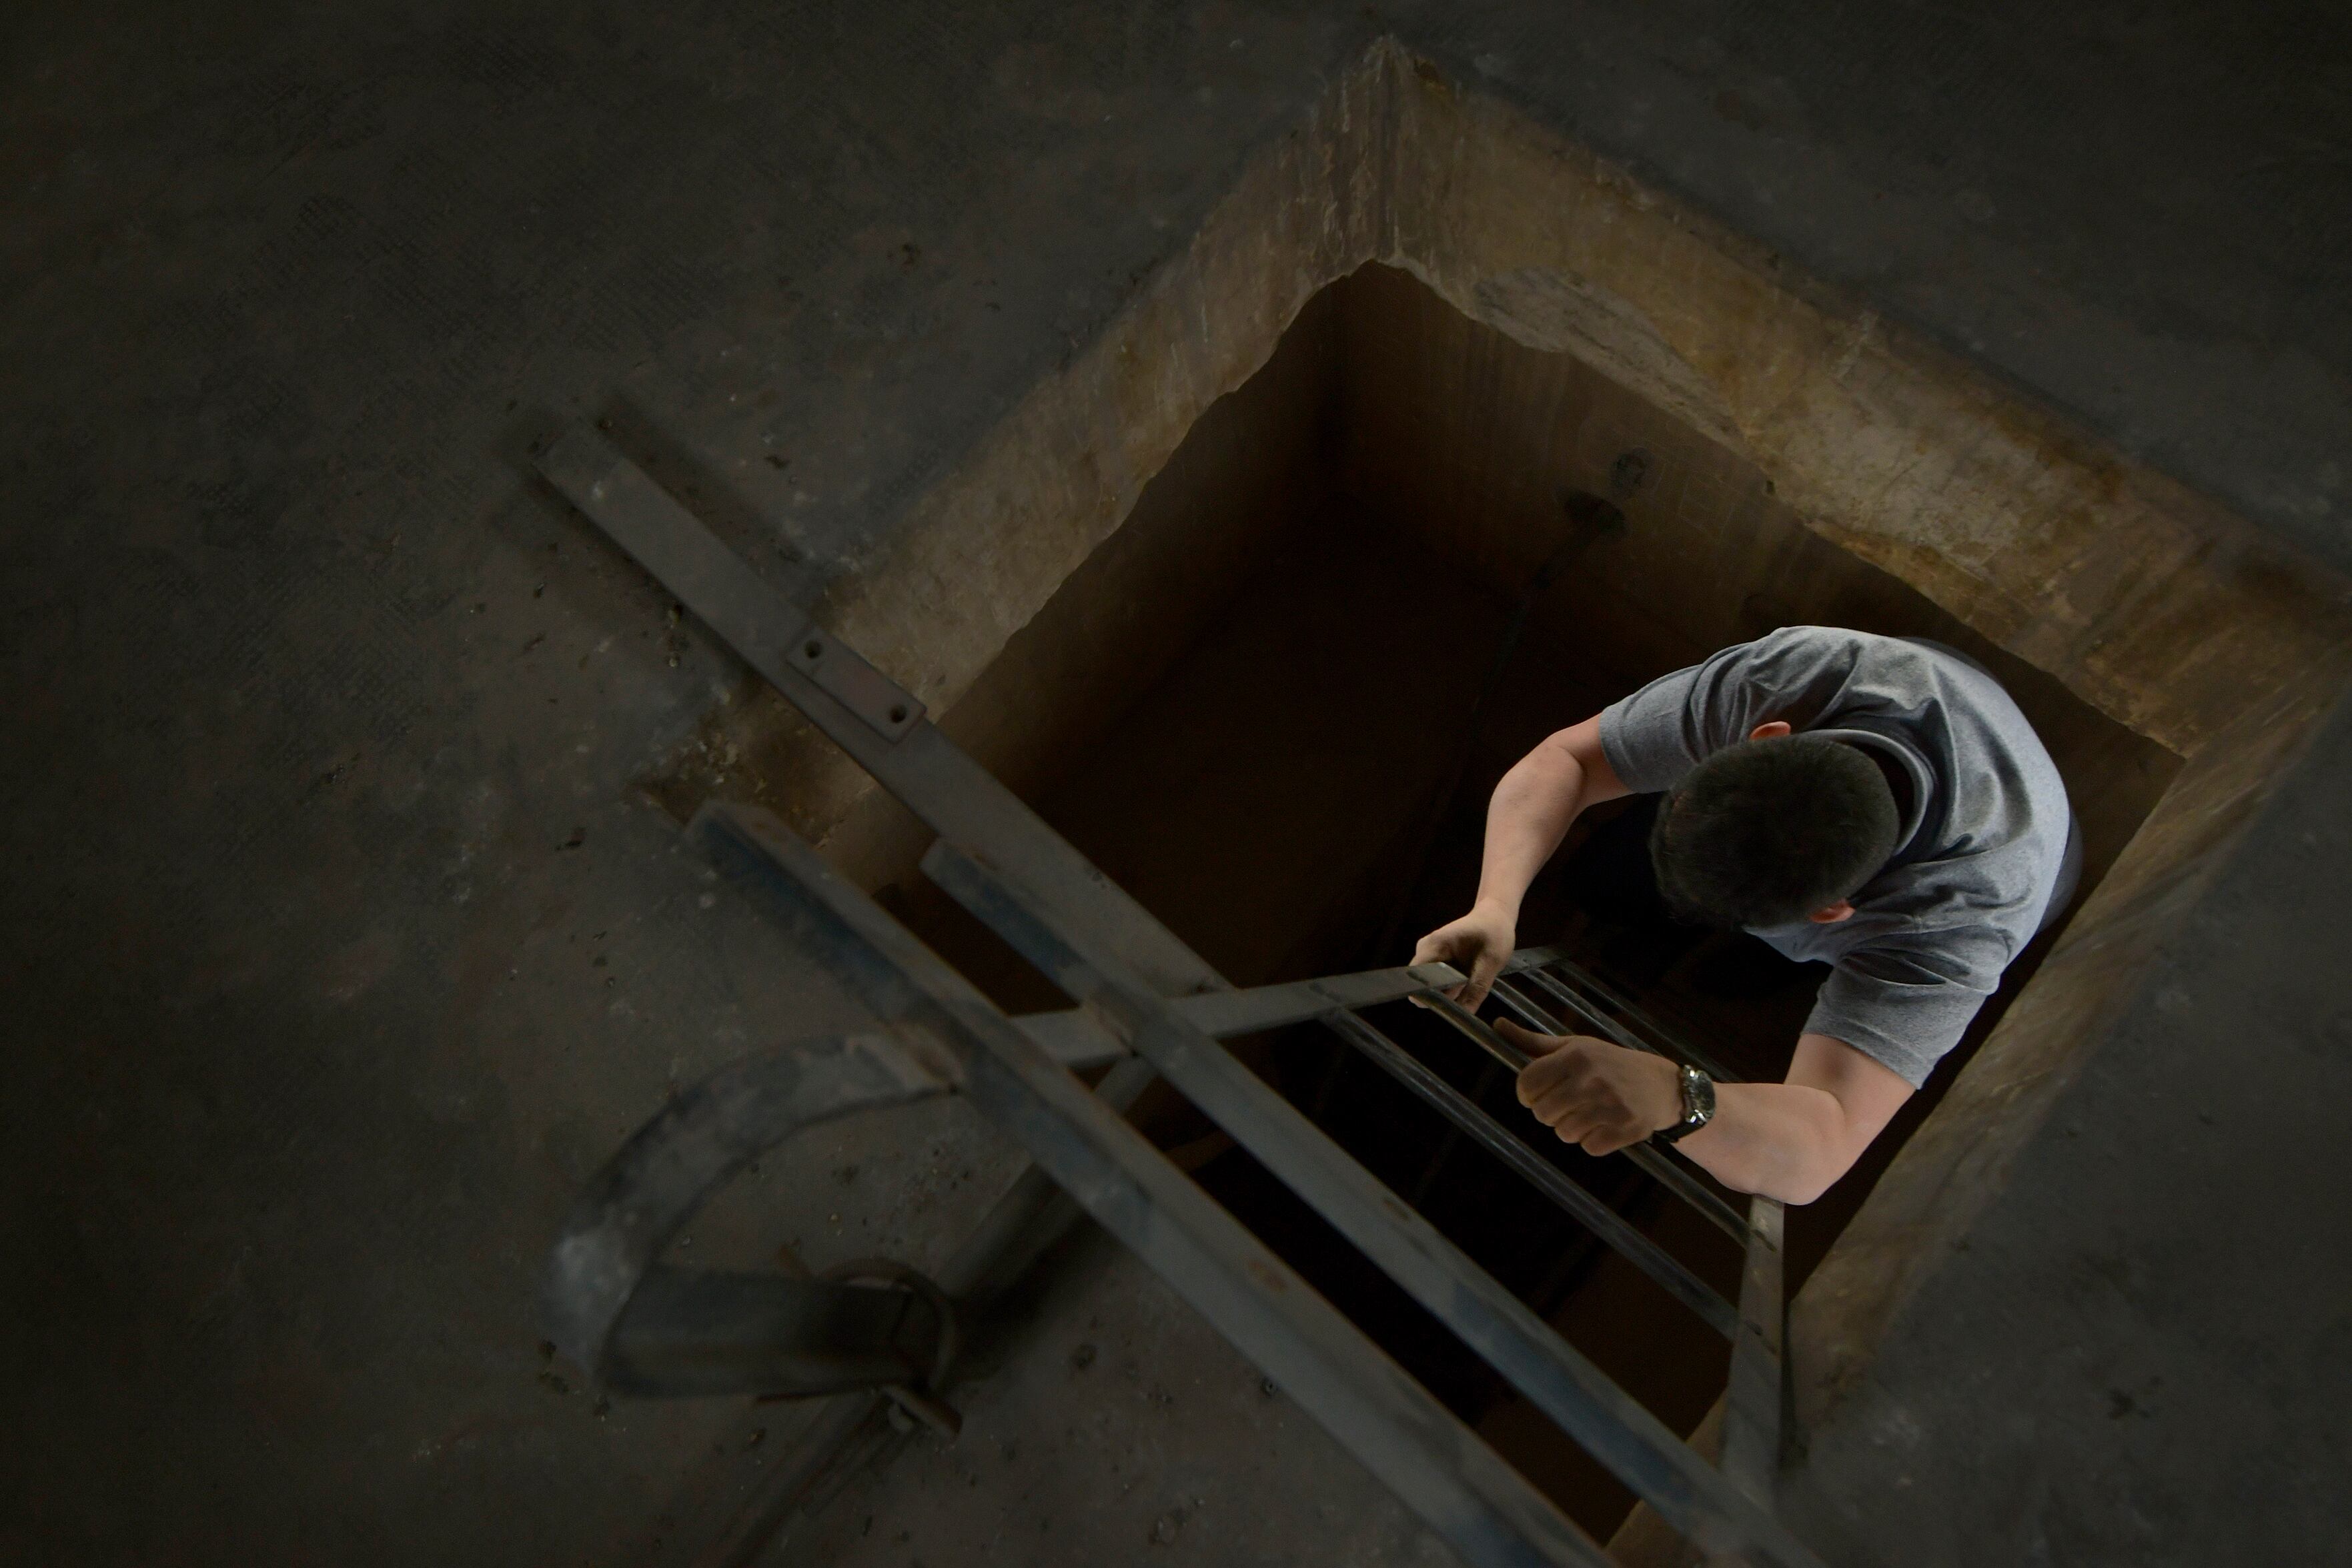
[1272, 705]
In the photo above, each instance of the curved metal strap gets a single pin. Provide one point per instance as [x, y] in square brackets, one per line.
[645, 1329]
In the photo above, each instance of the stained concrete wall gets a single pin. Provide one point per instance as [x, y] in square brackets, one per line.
[1249, 477]
[2156, 1273]
[1471, 439]
[1992, 509]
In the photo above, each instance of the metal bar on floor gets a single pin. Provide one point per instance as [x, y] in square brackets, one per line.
[1484, 1509]
[639, 1328]
[830, 684]
[1019, 1072]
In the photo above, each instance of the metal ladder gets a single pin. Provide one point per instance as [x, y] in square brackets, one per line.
[1149, 1006]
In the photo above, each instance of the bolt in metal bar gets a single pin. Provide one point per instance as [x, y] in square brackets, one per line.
[1627, 1440]
[947, 791]
[1653, 1162]
[1547, 1178]
[1436, 1465]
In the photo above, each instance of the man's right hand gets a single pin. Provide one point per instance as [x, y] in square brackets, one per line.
[1478, 945]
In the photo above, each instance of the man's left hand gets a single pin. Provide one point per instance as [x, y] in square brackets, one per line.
[1598, 1096]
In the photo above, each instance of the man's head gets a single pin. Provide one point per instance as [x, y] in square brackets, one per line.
[1778, 828]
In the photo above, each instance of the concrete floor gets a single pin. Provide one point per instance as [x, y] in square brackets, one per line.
[341, 944]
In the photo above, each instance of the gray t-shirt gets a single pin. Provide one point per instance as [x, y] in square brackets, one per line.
[1979, 851]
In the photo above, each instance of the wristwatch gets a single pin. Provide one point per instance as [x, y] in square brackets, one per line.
[1698, 1107]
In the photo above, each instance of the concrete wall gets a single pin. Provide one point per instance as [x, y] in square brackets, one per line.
[1247, 478]
[1470, 438]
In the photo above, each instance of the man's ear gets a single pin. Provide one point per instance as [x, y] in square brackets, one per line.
[1829, 915]
[1770, 730]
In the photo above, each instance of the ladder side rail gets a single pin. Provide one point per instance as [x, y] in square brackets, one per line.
[1424, 1454]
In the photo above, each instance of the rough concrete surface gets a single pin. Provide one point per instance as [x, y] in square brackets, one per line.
[2137, 1360]
[1111, 1436]
[341, 943]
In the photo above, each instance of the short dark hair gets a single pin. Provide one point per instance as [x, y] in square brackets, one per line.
[1766, 831]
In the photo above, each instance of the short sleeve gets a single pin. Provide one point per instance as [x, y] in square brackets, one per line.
[1664, 730]
[1904, 1009]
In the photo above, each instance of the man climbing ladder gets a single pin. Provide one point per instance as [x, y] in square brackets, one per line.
[1877, 803]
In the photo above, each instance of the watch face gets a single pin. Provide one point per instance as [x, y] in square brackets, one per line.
[1698, 1098]
[1699, 1106]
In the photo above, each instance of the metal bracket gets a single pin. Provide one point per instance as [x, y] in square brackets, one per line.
[774, 636]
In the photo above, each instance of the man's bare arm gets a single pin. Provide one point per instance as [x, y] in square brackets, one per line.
[1530, 813]
[1789, 1140]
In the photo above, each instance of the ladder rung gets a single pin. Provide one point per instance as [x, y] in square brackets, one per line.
[1664, 1040]
[1489, 1512]
[1626, 1438]
[1588, 1209]
[1671, 1176]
